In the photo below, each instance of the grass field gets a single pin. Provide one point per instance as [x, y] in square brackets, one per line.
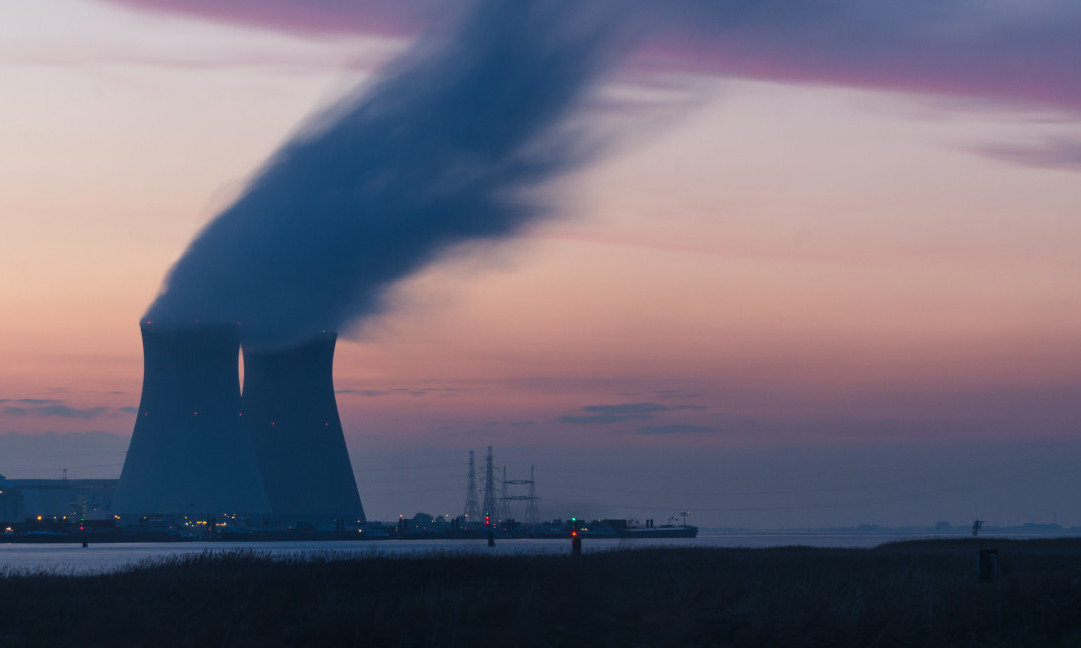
[922, 593]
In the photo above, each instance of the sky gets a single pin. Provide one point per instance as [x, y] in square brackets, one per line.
[822, 272]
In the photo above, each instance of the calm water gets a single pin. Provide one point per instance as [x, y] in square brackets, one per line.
[74, 559]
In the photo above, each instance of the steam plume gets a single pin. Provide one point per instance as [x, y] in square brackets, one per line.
[437, 152]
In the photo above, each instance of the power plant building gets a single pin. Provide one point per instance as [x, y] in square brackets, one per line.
[74, 498]
[190, 453]
[292, 419]
[201, 447]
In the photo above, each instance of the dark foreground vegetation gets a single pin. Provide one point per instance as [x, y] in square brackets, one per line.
[907, 594]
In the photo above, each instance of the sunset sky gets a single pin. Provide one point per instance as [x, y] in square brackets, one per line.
[825, 270]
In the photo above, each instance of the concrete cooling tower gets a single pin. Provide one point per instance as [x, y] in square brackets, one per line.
[292, 418]
[190, 452]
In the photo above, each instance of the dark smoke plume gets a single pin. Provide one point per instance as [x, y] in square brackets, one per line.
[438, 152]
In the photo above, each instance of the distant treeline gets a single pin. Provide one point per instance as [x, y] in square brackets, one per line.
[921, 593]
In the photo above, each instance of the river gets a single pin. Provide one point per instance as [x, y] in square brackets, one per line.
[72, 558]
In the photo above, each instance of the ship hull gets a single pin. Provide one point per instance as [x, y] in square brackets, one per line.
[659, 532]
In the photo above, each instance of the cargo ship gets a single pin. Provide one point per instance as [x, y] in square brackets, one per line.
[631, 529]
[610, 528]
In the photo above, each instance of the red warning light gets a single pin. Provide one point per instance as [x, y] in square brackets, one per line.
[574, 534]
[195, 413]
[273, 423]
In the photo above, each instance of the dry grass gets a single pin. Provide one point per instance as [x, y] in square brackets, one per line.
[906, 594]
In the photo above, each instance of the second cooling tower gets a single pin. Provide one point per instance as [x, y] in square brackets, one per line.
[292, 420]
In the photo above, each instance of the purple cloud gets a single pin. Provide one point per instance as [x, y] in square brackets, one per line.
[605, 414]
[64, 411]
[992, 49]
[998, 50]
[1059, 153]
[679, 429]
[45, 408]
[371, 393]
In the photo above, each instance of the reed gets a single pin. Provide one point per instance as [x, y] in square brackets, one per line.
[906, 594]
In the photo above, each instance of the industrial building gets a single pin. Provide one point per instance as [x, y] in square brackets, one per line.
[292, 419]
[72, 498]
[190, 453]
[201, 447]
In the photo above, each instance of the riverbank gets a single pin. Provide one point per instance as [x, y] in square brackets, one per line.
[914, 593]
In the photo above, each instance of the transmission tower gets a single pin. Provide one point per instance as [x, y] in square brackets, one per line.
[532, 508]
[504, 506]
[489, 487]
[472, 512]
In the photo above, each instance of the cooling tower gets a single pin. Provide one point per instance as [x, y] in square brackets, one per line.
[293, 423]
[189, 452]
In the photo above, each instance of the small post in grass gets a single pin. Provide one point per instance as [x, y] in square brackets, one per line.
[988, 565]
